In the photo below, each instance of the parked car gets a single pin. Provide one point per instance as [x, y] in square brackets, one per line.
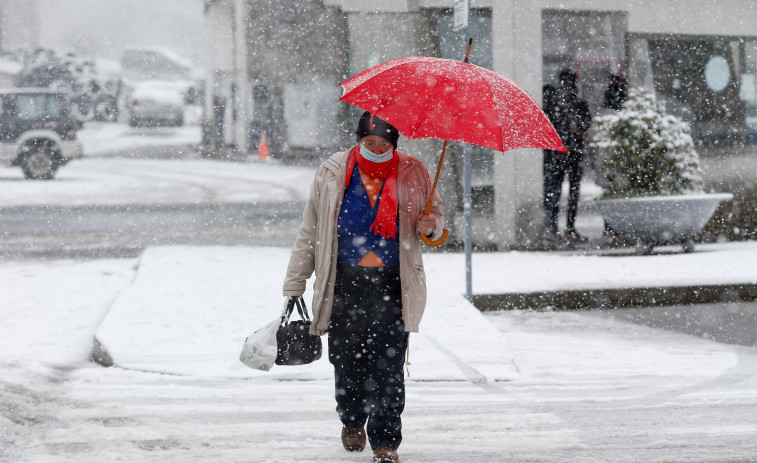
[37, 131]
[155, 103]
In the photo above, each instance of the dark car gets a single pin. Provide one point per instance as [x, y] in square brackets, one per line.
[37, 131]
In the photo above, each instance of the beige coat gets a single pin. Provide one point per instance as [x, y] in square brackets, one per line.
[316, 246]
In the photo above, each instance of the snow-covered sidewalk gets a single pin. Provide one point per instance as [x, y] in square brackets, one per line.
[520, 385]
[189, 309]
[186, 310]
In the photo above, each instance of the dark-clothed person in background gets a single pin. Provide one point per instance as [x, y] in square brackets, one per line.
[359, 234]
[615, 95]
[572, 118]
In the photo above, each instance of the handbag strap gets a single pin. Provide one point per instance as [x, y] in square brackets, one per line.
[302, 309]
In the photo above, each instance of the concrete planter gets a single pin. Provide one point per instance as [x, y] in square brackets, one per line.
[658, 220]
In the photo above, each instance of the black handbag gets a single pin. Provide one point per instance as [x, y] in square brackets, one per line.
[296, 346]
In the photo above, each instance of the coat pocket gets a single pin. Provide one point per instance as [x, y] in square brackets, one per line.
[420, 275]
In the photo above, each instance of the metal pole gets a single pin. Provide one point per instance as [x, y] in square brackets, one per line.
[461, 20]
[467, 206]
[467, 197]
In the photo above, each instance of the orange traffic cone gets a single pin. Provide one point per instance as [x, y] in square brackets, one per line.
[263, 152]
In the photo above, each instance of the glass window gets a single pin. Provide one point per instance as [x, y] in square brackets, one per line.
[706, 81]
[590, 43]
[38, 107]
[748, 89]
[717, 73]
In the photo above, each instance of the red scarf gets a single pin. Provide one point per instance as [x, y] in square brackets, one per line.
[386, 219]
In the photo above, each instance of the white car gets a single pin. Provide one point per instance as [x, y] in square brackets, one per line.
[156, 103]
[37, 131]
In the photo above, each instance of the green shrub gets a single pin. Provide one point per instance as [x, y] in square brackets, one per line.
[641, 151]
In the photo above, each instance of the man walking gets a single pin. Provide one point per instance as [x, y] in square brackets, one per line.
[571, 117]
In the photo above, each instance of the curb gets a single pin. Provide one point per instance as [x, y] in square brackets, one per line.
[616, 298]
[100, 354]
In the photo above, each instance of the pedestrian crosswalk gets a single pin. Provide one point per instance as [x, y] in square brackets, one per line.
[111, 414]
[615, 393]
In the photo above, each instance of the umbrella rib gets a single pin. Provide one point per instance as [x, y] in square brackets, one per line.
[497, 103]
[424, 114]
[496, 100]
[366, 76]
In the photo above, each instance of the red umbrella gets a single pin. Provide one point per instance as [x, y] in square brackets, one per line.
[452, 100]
[427, 97]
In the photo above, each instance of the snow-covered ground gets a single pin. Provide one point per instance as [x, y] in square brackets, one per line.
[102, 138]
[513, 386]
[113, 173]
[121, 181]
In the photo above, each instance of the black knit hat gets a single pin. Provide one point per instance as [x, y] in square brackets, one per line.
[372, 125]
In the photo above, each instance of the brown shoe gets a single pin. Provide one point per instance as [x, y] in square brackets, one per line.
[353, 439]
[574, 237]
[385, 455]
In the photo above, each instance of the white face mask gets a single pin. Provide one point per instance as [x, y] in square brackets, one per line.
[369, 155]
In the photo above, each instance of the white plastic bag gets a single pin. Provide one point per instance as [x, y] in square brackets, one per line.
[259, 350]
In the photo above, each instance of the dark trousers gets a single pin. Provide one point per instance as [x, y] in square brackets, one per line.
[367, 345]
[556, 165]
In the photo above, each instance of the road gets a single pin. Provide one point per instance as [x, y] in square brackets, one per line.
[126, 230]
[117, 203]
[726, 322]
[590, 390]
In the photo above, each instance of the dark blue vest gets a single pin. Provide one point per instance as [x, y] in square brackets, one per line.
[353, 227]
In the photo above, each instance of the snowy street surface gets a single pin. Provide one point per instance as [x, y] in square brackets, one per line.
[111, 173]
[520, 386]
[511, 386]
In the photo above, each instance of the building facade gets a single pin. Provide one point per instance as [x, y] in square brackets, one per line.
[19, 24]
[19, 27]
[275, 65]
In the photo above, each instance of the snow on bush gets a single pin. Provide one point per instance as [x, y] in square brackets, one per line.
[641, 151]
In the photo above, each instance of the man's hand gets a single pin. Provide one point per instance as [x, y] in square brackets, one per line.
[288, 301]
[426, 225]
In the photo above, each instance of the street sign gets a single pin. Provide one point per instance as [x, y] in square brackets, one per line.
[460, 14]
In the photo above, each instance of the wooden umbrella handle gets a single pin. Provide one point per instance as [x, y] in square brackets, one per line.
[431, 242]
[430, 204]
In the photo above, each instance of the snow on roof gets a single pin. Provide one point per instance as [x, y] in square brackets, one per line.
[10, 67]
[158, 90]
[168, 53]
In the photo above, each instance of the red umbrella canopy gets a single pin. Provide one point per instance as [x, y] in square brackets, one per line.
[427, 97]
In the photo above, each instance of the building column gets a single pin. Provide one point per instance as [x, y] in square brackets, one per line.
[242, 97]
[219, 62]
[19, 24]
[518, 173]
